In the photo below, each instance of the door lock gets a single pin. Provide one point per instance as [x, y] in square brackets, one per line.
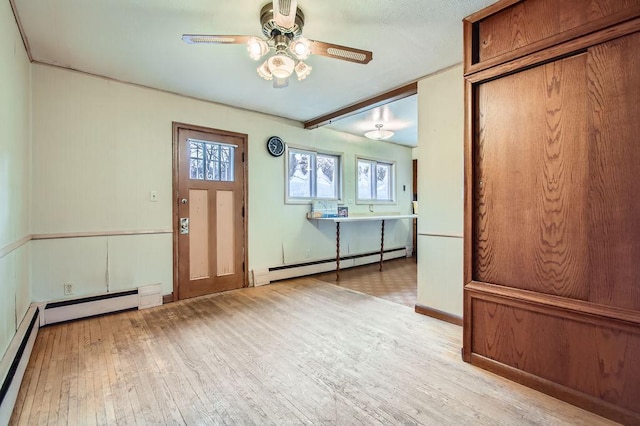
[184, 225]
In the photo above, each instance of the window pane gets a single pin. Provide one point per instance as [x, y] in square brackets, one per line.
[195, 149]
[226, 163]
[196, 165]
[383, 182]
[213, 164]
[364, 180]
[299, 174]
[211, 161]
[326, 172]
[196, 169]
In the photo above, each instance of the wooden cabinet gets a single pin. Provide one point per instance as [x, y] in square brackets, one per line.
[552, 207]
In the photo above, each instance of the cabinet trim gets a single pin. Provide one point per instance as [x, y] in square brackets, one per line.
[564, 393]
[557, 306]
[482, 74]
[472, 63]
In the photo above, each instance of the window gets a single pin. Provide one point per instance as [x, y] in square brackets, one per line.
[312, 175]
[375, 181]
[211, 160]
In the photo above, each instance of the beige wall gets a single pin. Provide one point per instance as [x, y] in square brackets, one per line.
[15, 181]
[441, 190]
[100, 147]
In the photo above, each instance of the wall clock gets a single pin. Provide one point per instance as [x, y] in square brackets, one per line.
[275, 146]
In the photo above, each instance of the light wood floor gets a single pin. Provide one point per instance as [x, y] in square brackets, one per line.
[297, 352]
[398, 281]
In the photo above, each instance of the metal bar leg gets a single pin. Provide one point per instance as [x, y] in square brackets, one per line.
[381, 245]
[337, 251]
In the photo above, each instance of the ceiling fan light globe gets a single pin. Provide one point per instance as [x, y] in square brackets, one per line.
[257, 48]
[300, 48]
[281, 65]
[302, 70]
[264, 71]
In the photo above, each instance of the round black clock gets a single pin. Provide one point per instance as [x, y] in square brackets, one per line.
[275, 146]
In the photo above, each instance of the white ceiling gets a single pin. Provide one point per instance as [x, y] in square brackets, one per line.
[138, 41]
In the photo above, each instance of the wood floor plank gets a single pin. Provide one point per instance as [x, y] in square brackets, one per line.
[117, 374]
[38, 412]
[297, 352]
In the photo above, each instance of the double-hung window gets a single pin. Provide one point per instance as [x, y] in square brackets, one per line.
[376, 181]
[312, 175]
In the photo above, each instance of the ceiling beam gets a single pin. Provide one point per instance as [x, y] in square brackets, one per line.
[384, 98]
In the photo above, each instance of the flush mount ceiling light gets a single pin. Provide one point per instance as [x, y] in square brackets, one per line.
[282, 23]
[379, 134]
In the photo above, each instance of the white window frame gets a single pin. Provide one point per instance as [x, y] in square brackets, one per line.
[392, 181]
[314, 153]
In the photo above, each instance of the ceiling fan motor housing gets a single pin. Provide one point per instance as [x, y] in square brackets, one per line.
[270, 29]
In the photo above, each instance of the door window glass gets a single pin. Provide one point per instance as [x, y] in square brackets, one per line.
[211, 161]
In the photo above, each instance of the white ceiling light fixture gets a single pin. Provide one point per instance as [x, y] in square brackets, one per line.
[300, 48]
[281, 65]
[257, 48]
[302, 70]
[379, 134]
[264, 71]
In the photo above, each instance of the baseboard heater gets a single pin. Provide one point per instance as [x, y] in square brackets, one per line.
[108, 303]
[283, 272]
[15, 360]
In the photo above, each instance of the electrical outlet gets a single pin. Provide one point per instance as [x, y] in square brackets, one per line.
[153, 196]
[68, 289]
[307, 254]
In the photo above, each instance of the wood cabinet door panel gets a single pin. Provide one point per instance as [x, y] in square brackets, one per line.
[530, 168]
[614, 162]
[529, 22]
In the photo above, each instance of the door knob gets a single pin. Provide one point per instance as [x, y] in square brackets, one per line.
[183, 201]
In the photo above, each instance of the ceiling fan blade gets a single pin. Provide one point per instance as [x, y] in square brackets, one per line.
[215, 39]
[284, 12]
[340, 52]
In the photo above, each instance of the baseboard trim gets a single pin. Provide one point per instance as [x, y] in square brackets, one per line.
[564, 393]
[15, 360]
[438, 314]
[333, 259]
[167, 298]
[283, 272]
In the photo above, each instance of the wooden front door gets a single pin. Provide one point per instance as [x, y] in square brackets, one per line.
[209, 211]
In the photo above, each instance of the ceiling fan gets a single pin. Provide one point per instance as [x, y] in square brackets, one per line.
[282, 22]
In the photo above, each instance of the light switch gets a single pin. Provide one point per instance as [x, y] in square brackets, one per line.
[154, 196]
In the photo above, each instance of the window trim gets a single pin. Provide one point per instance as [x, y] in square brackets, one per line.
[307, 200]
[392, 183]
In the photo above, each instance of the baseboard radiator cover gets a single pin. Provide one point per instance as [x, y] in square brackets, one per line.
[15, 360]
[276, 273]
[108, 303]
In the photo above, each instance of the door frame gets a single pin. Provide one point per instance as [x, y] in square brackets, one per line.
[175, 203]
